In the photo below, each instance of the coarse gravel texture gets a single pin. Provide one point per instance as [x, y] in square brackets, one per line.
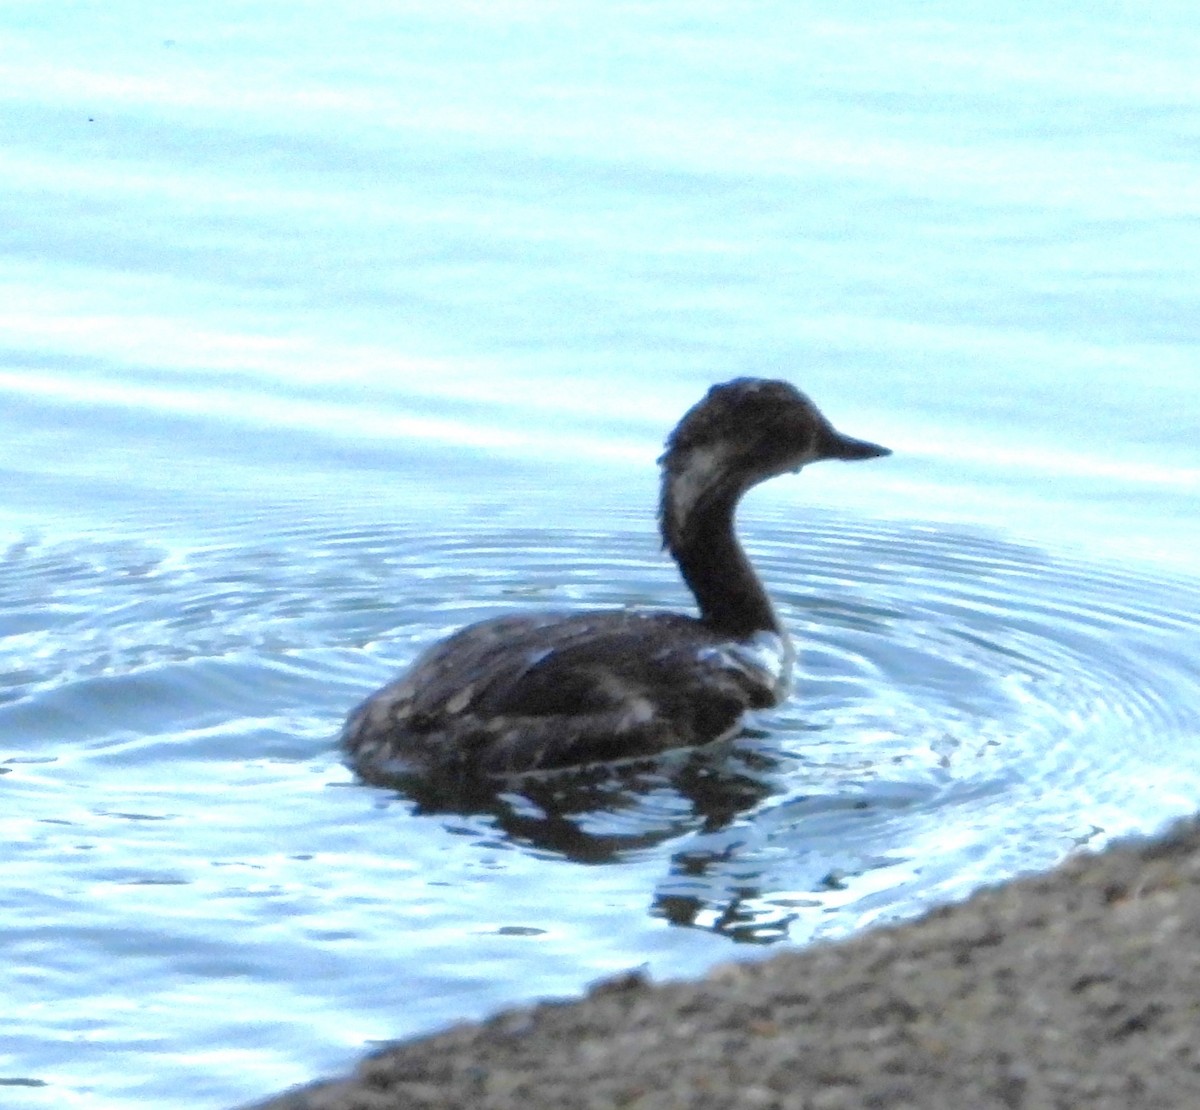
[1076, 989]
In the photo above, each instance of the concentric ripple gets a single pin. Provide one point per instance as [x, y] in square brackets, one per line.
[966, 708]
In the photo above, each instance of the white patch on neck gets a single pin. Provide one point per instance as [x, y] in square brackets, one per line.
[702, 467]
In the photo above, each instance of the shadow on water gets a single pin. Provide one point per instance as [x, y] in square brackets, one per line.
[605, 813]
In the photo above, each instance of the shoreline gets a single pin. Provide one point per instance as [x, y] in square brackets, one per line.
[1076, 987]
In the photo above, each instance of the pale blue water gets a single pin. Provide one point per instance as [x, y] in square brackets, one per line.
[323, 331]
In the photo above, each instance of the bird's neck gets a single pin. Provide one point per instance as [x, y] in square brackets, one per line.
[730, 595]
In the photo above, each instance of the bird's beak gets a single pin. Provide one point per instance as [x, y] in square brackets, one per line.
[838, 446]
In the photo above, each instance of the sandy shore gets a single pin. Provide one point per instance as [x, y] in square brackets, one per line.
[1075, 989]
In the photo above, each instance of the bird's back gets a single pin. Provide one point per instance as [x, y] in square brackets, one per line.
[546, 691]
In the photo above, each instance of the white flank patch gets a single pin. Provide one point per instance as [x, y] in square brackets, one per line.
[766, 656]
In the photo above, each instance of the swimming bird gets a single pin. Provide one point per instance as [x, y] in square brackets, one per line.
[545, 691]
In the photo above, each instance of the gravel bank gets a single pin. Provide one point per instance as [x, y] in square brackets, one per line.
[1078, 988]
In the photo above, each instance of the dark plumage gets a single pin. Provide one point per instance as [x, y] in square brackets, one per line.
[546, 691]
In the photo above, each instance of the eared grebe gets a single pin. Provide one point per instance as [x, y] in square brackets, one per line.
[546, 691]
